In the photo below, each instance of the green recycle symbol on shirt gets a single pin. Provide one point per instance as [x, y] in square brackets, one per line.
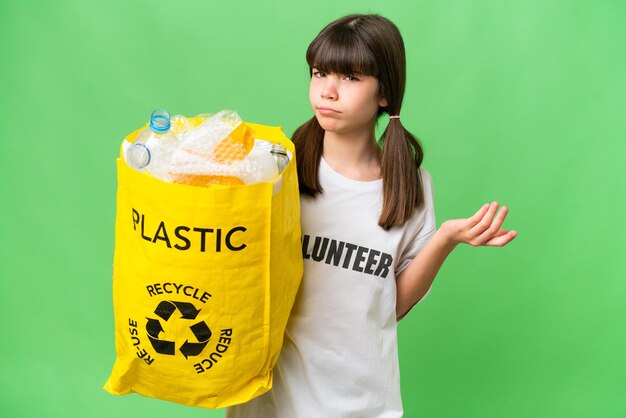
[189, 312]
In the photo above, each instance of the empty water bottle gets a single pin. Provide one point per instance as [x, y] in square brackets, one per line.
[280, 155]
[153, 146]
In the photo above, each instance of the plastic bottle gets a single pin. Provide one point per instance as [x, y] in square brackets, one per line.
[280, 155]
[258, 166]
[180, 124]
[153, 146]
[205, 116]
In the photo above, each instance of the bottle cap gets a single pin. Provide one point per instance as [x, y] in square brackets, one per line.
[278, 149]
[160, 121]
[138, 155]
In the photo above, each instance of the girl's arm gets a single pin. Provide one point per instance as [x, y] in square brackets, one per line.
[481, 229]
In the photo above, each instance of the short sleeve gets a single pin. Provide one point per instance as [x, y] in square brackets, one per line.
[421, 228]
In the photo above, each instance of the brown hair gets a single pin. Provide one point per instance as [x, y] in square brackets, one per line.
[367, 44]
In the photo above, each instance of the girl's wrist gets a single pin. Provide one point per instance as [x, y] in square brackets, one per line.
[445, 237]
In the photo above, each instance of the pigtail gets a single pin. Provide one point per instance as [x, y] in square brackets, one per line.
[402, 184]
[309, 142]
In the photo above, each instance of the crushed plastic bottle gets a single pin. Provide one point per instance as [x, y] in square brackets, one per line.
[205, 116]
[225, 126]
[212, 152]
[259, 165]
[180, 125]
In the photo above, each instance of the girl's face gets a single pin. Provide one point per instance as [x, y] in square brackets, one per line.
[345, 103]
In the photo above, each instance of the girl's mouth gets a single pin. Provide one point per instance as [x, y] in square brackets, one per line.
[327, 111]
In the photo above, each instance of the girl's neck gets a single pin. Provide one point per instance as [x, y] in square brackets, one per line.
[357, 156]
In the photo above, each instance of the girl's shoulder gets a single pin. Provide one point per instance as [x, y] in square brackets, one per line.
[427, 187]
[425, 174]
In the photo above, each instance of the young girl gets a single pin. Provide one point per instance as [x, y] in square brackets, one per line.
[370, 244]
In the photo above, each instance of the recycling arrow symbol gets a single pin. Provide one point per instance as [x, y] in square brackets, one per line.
[200, 330]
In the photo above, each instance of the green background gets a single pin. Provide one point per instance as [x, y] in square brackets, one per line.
[523, 102]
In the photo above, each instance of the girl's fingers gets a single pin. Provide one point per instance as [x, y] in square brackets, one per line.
[485, 239]
[485, 222]
[475, 218]
[502, 240]
[493, 229]
[501, 232]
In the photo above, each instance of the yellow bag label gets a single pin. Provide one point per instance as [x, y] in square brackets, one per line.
[204, 279]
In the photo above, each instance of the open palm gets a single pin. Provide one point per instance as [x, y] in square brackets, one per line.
[482, 228]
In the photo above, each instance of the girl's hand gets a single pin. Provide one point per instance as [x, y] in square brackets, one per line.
[481, 229]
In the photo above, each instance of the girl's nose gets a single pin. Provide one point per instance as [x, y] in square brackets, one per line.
[329, 90]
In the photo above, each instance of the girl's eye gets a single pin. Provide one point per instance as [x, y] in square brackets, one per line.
[353, 78]
[318, 74]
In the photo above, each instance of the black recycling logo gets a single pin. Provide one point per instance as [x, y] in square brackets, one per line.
[189, 312]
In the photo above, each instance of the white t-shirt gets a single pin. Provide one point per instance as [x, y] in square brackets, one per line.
[340, 356]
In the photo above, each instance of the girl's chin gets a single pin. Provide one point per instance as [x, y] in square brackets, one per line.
[329, 126]
[340, 127]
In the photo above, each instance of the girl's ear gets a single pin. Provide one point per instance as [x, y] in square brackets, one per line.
[382, 102]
